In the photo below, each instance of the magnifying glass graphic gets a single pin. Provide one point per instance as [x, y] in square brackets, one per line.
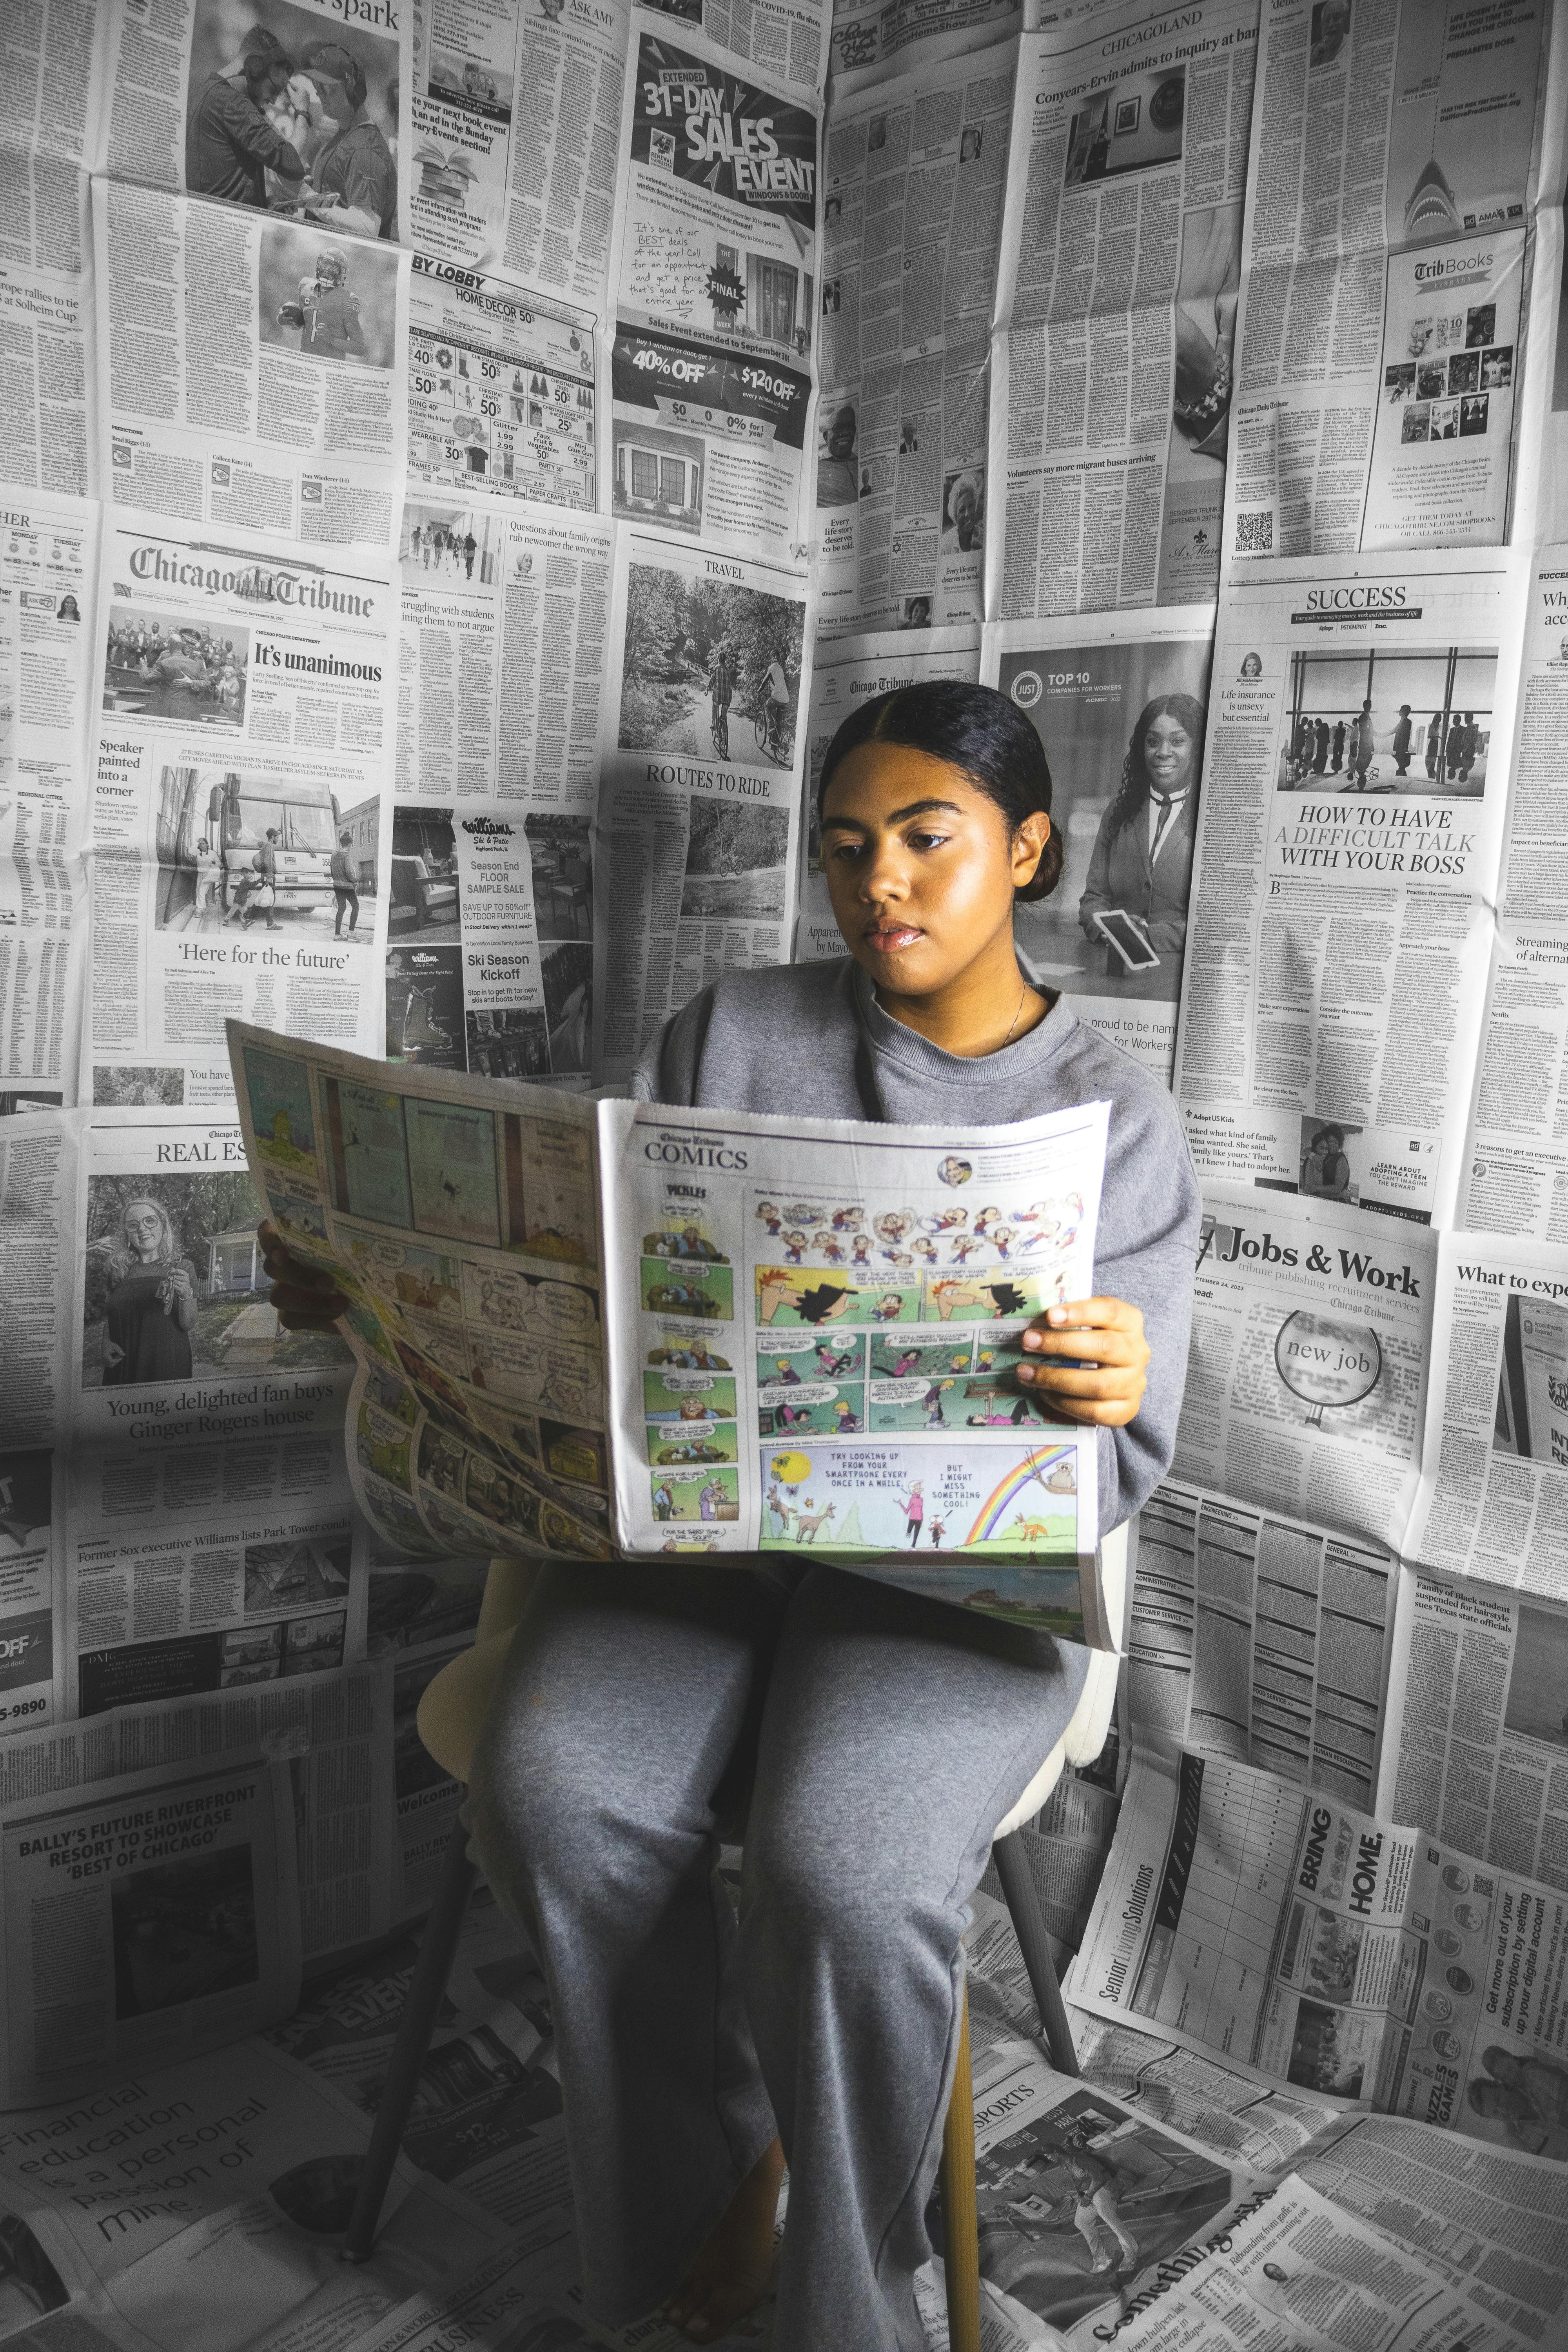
[1327, 1361]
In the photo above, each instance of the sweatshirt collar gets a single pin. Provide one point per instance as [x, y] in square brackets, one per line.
[916, 1054]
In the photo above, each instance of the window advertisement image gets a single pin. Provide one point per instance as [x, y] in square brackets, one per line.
[709, 442]
[1121, 706]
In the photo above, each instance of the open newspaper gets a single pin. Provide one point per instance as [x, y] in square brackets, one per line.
[591, 1329]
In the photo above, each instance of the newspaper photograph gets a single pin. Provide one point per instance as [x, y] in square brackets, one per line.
[914, 183]
[176, 1336]
[49, 571]
[207, 1593]
[287, 107]
[251, 373]
[502, 390]
[46, 317]
[200, 2206]
[1494, 1471]
[1121, 706]
[1312, 1944]
[463, 1225]
[1384, 279]
[1116, 307]
[701, 770]
[1475, 1710]
[246, 708]
[845, 673]
[513, 114]
[1348, 847]
[32, 1579]
[1307, 1381]
[1256, 1637]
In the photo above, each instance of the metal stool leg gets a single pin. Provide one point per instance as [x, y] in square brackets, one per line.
[417, 2023]
[1029, 1926]
[960, 2211]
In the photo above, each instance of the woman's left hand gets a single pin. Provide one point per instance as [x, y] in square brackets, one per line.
[1104, 1384]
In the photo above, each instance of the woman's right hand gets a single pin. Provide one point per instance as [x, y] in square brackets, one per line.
[306, 1301]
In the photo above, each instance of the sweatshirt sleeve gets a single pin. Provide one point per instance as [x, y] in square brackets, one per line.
[670, 1068]
[1146, 1252]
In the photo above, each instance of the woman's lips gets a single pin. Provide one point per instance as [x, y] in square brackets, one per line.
[888, 938]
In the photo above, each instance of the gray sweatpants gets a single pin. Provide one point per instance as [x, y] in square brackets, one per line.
[883, 1738]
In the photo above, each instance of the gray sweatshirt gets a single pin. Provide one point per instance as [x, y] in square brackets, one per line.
[813, 1038]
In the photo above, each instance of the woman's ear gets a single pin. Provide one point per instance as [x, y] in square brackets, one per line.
[1028, 847]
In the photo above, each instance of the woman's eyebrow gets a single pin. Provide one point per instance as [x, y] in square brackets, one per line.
[895, 816]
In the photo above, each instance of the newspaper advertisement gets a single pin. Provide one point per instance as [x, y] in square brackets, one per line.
[1120, 705]
[1307, 1380]
[287, 107]
[252, 373]
[154, 1913]
[700, 769]
[513, 121]
[1116, 307]
[487, 2120]
[872, 42]
[913, 189]
[502, 390]
[1311, 1944]
[46, 317]
[716, 290]
[1494, 1483]
[1297, 2271]
[1516, 1165]
[217, 1568]
[1258, 1637]
[176, 1336]
[1477, 1705]
[1348, 846]
[38, 1156]
[49, 571]
[1083, 2201]
[1385, 278]
[247, 716]
[201, 2205]
[847, 672]
[468, 1226]
[31, 1579]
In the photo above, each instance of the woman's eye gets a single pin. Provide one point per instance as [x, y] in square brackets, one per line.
[927, 840]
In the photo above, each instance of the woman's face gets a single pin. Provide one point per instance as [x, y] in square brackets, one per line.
[1168, 753]
[143, 1229]
[919, 866]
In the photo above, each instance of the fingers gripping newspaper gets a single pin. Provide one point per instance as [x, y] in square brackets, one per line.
[1311, 1943]
[584, 1328]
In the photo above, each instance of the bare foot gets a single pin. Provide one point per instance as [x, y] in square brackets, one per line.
[728, 2274]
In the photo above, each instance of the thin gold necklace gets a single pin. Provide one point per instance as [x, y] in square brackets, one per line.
[1023, 992]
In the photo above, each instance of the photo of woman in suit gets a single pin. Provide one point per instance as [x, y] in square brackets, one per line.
[1142, 864]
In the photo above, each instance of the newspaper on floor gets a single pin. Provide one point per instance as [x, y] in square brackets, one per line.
[1120, 705]
[1347, 848]
[1295, 2272]
[690, 1331]
[1475, 1738]
[715, 286]
[1389, 192]
[913, 188]
[46, 316]
[847, 672]
[247, 710]
[1230, 2115]
[1308, 1943]
[1256, 1637]
[48, 573]
[252, 370]
[1306, 1377]
[200, 2207]
[1515, 1160]
[1494, 1477]
[1116, 307]
[490, 958]
[296, 112]
[701, 761]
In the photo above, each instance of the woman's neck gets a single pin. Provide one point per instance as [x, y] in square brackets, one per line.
[988, 1005]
